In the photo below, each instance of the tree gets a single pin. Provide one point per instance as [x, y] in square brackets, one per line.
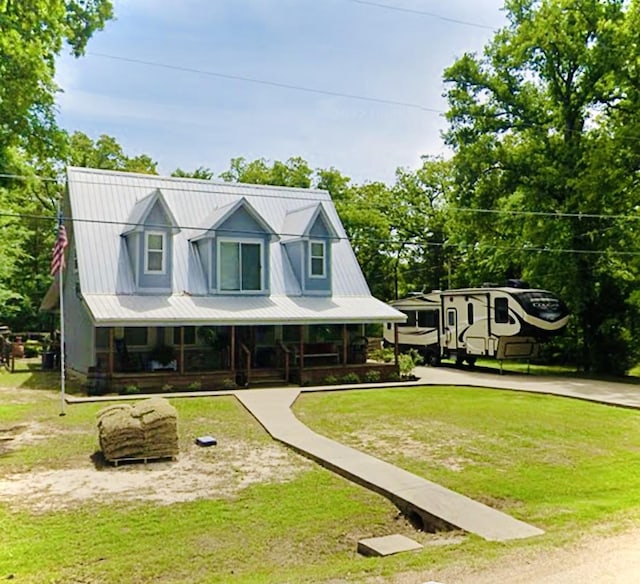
[543, 174]
[295, 172]
[105, 153]
[32, 34]
[201, 173]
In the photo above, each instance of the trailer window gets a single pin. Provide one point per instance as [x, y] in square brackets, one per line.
[501, 309]
[470, 313]
[428, 318]
[411, 318]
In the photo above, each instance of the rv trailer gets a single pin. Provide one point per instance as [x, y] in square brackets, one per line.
[498, 322]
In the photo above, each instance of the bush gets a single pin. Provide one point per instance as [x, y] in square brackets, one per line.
[351, 378]
[167, 387]
[330, 380]
[228, 383]
[382, 355]
[372, 376]
[132, 389]
[407, 361]
[194, 386]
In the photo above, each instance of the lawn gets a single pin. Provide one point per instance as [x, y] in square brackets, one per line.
[563, 465]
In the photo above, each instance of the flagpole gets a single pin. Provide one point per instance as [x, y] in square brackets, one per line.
[61, 295]
[62, 366]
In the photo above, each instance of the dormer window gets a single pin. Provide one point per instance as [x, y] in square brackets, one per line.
[240, 265]
[154, 252]
[317, 259]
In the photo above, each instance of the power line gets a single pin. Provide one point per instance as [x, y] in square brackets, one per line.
[268, 82]
[418, 242]
[207, 185]
[421, 13]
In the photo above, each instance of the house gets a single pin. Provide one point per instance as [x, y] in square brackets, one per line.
[192, 283]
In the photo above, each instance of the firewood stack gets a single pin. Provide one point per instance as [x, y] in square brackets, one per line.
[147, 430]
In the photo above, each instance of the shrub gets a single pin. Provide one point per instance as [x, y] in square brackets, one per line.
[131, 389]
[228, 383]
[372, 376]
[407, 361]
[194, 386]
[351, 378]
[167, 387]
[382, 355]
[330, 380]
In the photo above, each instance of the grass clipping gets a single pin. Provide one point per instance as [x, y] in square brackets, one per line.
[148, 429]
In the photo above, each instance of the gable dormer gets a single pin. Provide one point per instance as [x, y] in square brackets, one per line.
[233, 246]
[307, 237]
[149, 238]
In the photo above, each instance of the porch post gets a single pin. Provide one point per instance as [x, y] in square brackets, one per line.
[181, 350]
[345, 343]
[110, 359]
[395, 343]
[233, 348]
[301, 349]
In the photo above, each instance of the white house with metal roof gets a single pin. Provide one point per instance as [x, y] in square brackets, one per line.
[189, 282]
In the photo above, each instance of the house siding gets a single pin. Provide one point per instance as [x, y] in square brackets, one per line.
[318, 232]
[79, 339]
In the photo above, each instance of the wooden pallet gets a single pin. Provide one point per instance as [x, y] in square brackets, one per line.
[144, 459]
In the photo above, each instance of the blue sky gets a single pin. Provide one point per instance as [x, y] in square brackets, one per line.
[188, 119]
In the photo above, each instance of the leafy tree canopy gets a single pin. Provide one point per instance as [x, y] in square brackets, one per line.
[32, 34]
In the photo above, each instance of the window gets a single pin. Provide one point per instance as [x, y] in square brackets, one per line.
[411, 318]
[470, 313]
[317, 262]
[189, 335]
[136, 336]
[451, 317]
[428, 318]
[154, 253]
[501, 309]
[239, 266]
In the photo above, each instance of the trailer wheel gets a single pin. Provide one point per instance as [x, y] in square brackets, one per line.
[471, 361]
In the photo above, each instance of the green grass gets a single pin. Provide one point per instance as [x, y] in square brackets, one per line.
[558, 463]
[564, 465]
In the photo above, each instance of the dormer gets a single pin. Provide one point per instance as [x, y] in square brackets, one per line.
[149, 235]
[307, 235]
[233, 246]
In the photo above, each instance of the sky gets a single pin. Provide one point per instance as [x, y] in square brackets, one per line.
[163, 79]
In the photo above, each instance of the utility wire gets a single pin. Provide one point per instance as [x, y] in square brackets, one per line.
[412, 243]
[421, 13]
[208, 185]
[267, 82]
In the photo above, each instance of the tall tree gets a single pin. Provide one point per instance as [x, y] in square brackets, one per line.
[32, 34]
[538, 125]
[105, 153]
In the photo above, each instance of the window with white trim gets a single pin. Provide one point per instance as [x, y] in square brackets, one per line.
[154, 252]
[240, 265]
[317, 259]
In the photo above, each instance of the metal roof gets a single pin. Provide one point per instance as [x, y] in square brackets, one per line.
[184, 310]
[102, 202]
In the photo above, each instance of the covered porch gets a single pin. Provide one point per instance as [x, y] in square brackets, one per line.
[226, 356]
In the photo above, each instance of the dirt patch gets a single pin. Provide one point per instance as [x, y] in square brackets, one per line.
[198, 473]
[389, 441]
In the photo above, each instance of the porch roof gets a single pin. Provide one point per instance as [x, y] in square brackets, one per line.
[185, 310]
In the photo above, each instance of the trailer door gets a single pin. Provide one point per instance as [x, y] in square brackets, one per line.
[451, 330]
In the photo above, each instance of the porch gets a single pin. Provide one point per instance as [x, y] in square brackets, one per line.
[224, 357]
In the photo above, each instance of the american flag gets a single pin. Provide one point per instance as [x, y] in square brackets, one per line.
[57, 259]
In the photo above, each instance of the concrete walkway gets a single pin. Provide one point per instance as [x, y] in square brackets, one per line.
[605, 392]
[413, 495]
